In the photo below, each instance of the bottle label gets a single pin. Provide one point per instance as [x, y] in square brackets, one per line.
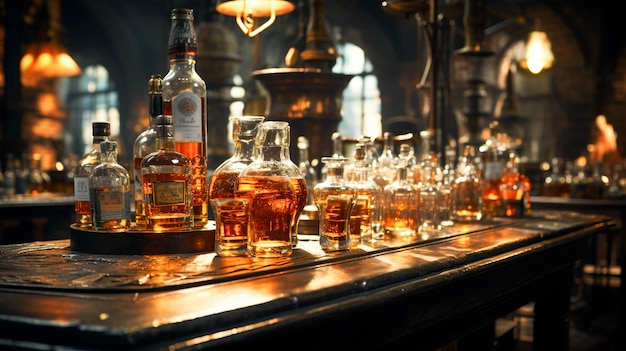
[110, 205]
[187, 113]
[169, 193]
[493, 171]
[81, 189]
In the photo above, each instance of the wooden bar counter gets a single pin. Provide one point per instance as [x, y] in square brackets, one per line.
[420, 293]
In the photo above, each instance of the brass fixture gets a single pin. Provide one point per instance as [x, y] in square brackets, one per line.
[248, 11]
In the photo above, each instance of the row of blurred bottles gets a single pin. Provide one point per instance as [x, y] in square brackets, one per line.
[582, 180]
[370, 195]
[25, 176]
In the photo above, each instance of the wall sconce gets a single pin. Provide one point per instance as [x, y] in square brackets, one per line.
[537, 54]
[246, 11]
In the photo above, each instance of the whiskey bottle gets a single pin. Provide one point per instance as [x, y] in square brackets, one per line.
[366, 215]
[275, 191]
[82, 207]
[335, 199]
[184, 97]
[109, 192]
[467, 194]
[493, 162]
[145, 143]
[429, 197]
[512, 189]
[230, 213]
[384, 171]
[401, 205]
[166, 178]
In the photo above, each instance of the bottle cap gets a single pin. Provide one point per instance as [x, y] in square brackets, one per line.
[101, 129]
[182, 39]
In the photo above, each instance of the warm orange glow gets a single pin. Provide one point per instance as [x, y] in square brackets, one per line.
[48, 60]
[247, 10]
[538, 53]
[604, 149]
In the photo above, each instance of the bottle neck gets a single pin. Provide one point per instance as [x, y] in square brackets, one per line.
[97, 139]
[244, 149]
[183, 61]
[165, 137]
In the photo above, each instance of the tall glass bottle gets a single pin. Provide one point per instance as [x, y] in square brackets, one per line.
[512, 189]
[184, 97]
[335, 199]
[109, 192]
[429, 198]
[366, 215]
[493, 162]
[308, 172]
[467, 200]
[82, 207]
[230, 213]
[166, 182]
[276, 193]
[385, 172]
[145, 143]
[401, 205]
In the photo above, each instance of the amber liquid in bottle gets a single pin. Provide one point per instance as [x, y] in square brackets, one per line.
[232, 214]
[271, 201]
[168, 209]
[196, 153]
[166, 182]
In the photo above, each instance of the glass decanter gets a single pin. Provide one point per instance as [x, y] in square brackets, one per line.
[230, 213]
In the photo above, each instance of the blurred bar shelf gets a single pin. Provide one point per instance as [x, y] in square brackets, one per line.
[26, 218]
[394, 294]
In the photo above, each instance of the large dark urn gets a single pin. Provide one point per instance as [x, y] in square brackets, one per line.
[310, 100]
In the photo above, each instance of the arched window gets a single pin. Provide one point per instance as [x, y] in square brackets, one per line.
[361, 98]
[90, 97]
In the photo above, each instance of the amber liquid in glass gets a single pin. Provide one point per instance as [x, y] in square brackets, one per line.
[302, 193]
[231, 219]
[166, 213]
[272, 202]
[335, 210]
[196, 151]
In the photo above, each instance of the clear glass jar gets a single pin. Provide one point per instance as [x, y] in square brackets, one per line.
[275, 191]
[230, 213]
[335, 199]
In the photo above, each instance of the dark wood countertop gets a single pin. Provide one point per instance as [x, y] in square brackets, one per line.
[428, 290]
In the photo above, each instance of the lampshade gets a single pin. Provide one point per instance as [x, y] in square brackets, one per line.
[48, 60]
[246, 11]
[537, 55]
